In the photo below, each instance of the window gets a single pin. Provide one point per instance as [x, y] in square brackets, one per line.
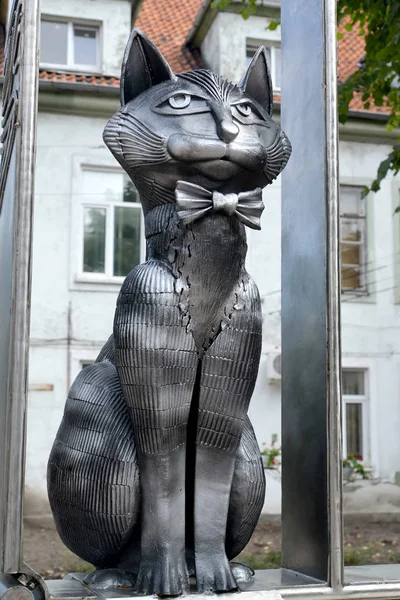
[273, 57]
[111, 226]
[353, 242]
[354, 413]
[69, 45]
[86, 363]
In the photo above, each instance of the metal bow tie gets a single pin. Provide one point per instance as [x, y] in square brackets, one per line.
[194, 202]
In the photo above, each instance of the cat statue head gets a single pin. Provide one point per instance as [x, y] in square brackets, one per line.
[195, 126]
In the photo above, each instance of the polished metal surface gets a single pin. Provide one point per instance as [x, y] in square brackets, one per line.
[156, 473]
[11, 589]
[334, 392]
[17, 184]
[362, 583]
[7, 221]
[306, 341]
[70, 587]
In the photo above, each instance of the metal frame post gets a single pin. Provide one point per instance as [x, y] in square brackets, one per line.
[16, 211]
[311, 404]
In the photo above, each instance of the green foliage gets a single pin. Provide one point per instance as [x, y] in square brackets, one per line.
[274, 24]
[271, 559]
[378, 78]
[249, 7]
[374, 552]
[272, 453]
[354, 462]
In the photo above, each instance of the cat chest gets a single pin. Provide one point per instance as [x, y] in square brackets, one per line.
[207, 261]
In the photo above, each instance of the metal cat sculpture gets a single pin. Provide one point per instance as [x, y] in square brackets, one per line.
[155, 474]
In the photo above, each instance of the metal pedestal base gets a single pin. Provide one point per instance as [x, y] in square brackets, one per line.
[363, 582]
[263, 586]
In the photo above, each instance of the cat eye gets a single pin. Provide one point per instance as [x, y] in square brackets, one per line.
[247, 113]
[180, 101]
[244, 109]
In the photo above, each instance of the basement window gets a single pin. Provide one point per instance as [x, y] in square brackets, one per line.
[70, 46]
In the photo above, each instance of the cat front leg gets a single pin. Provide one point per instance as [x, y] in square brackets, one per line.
[156, 362]
[228, 377]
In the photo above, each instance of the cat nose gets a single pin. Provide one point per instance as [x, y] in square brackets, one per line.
[228, 131]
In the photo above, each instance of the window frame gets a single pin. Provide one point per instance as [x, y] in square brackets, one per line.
[362, 399]
[109, 236]
[362, 216]
[252, 45]
[79, 355]
[79, 279]
[70, 65]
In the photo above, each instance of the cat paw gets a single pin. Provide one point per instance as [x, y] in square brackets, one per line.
[213, 574]
[164, 576]
[242, 573]
[104, 579]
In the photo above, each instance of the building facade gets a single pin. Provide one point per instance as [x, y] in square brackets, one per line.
[88, 227]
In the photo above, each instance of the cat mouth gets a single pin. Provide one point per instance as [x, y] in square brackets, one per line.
[192, 149]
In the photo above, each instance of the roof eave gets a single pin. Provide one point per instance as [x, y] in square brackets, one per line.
[206, 15]
[68, 86]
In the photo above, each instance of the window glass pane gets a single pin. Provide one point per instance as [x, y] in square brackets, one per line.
[350, 201]
[351, 278]
[130, 192]
[85, 46]
[86, 363]
[351, 230]
[354, 429]
[101, 186]
[351, 254]
[353, 383]
[53, 42]
[126, 239]
[277, 72]
[94, 240]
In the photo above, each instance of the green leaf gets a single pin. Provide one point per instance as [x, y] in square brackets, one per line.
[365, 192]
[273, 25]
[348, 26]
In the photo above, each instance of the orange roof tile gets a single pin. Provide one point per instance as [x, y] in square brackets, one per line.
[351, 50]
[61, 76]
[167, 23]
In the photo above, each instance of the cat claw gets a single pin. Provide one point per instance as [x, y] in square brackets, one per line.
[242, 573]
[214, 575]
[104, 579]
[163, 577]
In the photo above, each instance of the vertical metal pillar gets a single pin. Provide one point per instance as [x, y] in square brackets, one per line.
[311, 403]
[16, 207]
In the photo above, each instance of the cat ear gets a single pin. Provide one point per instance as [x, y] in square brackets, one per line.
[257, 82]
[142, 67]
